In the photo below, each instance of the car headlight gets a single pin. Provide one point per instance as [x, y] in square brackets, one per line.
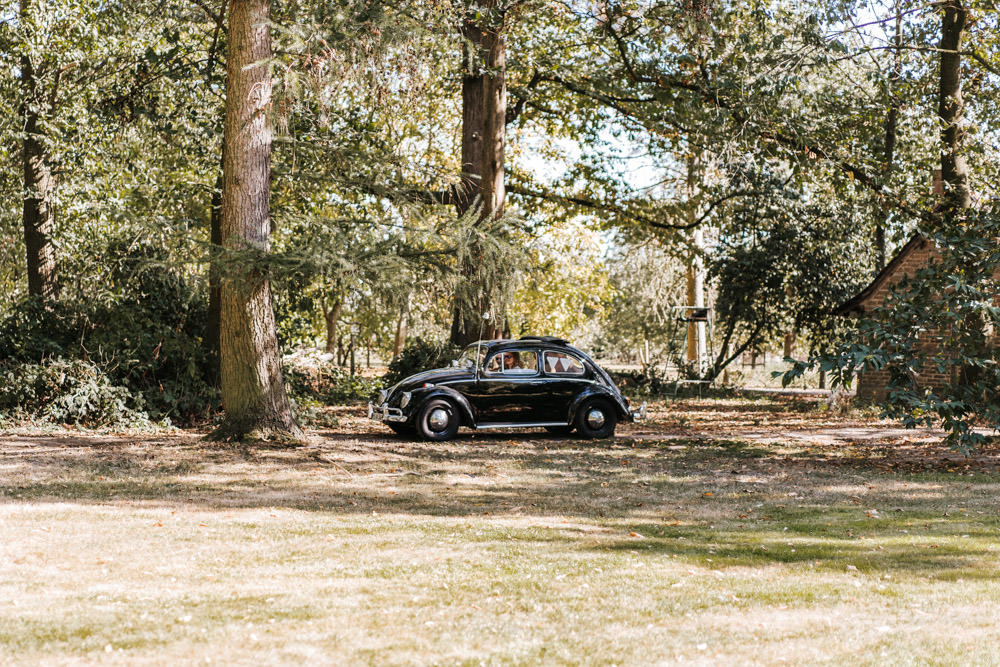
[405, 400]
[382, 395]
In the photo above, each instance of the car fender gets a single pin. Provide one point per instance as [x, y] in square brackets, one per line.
[597, 391]
[468, 418]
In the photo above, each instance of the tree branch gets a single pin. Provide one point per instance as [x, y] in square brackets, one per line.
[515, 111]
[212, 51]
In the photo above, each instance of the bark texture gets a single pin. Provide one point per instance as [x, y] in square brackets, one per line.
[494, 122]
[38, 214]
[484, 137]
[331, 317]
[697, 345]
[472, 121]
[215, 275]
[951, 107]
[399, 341]
[954, 169]
[253, 390]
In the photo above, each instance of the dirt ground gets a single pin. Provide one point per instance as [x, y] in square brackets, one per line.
[717, 531]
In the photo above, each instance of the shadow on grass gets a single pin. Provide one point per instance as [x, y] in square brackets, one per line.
[928, 553]
[718, 503]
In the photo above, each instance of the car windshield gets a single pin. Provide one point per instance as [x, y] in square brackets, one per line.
[470, 355]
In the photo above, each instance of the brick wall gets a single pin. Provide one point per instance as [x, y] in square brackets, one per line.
[872, 385]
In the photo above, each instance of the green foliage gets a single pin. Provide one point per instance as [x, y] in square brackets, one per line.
[144, 332]
[643, 382]
[942, 320]
[785, 263]
[567, 286]
[311, 375]
[67, 392]
[641, 322]
[420, 355]
[611, 100]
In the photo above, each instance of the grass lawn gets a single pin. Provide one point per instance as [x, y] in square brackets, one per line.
[702, 537]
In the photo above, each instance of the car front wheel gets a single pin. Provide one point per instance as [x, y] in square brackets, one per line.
[596, 419]
[438, 420]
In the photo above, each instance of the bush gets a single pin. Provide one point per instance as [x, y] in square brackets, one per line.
[420, 355]
[144, 333]
[67, 392]
[941, 320]
[312, 375]
[641, 384]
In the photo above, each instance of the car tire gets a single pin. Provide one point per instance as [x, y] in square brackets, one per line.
[437, 420]
[560, 430]
[596, 419]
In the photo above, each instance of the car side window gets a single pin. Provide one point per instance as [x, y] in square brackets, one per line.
[558, 363]
[513, 362]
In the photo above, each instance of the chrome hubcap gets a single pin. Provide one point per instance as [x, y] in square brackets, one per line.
[438, 419]
[595, 419]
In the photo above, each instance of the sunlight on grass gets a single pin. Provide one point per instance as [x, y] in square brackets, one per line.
[499, 550]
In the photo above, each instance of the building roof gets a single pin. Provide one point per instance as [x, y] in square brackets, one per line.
[857, 302]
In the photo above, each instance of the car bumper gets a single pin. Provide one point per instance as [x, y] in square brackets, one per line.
[383, 413]
[640, 414]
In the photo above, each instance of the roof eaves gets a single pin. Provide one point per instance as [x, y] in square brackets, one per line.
[855, 303]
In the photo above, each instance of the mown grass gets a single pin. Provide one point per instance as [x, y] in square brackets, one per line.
[504, 549]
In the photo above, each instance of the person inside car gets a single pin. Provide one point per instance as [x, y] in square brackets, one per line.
[511, 360]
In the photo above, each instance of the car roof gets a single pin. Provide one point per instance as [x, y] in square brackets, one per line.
[543, 342]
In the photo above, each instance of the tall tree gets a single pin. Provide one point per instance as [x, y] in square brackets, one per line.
[484, 137]
[38, 212]
[253, 390]
[951, 107]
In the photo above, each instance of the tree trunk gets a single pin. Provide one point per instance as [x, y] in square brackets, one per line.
[38, 215]
[472, 120]
[400, 340]
[215, 275]
[951, 107]
[697, 341]
[352, 353]
[494, 122]
[253, 390]
[891, 131]
[954, 169]
[331, 317]
[789, 345]
[484, 136]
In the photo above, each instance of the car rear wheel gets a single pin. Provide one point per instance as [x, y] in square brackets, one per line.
[437, 420]
[596, 419]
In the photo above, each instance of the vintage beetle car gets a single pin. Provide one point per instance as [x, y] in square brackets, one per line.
[537, 381]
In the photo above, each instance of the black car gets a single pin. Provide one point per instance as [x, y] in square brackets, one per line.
[537, 381]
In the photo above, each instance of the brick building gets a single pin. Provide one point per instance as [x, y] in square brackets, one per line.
[915, 255]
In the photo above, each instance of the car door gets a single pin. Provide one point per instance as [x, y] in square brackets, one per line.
[566, 376]
[509, 388]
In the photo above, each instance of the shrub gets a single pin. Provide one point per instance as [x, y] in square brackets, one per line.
[942, 319]
[311, 375]
[641, 384]
[144, 332]
[420, 355]
[67, 392]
